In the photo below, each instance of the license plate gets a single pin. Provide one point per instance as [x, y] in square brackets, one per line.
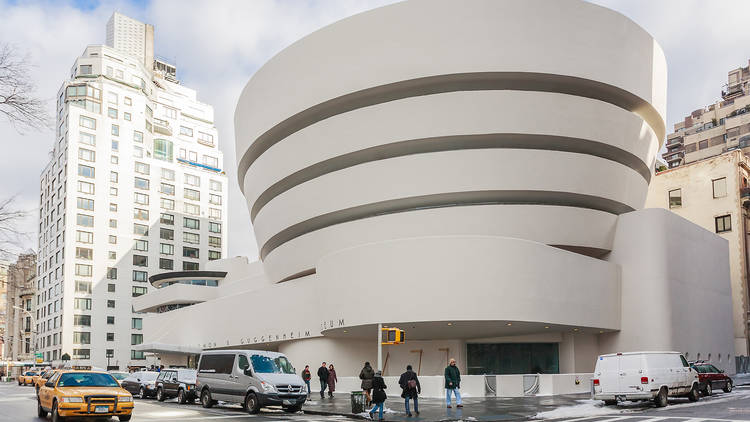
[289, 402]
[101, 409]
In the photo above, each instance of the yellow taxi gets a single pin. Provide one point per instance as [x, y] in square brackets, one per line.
[40, 380]
[83, 394]
[26, 377]
[40, 374]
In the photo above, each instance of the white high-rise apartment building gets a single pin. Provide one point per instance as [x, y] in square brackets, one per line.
[134, 187]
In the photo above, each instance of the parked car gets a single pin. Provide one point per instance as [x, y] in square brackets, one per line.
[251, 377]
[178, 383]
[26, 377]
[644, 376]
[711, 377]
[43, 377]
[119, 375]
[83, 394]
[141, 384]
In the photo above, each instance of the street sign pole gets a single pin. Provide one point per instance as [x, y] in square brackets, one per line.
[380, 347]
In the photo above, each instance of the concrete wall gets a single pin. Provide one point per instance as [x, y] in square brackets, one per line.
[676, 292]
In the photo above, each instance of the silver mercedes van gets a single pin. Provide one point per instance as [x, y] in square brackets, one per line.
[253, 378]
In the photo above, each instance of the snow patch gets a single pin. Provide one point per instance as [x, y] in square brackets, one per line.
[587, 408]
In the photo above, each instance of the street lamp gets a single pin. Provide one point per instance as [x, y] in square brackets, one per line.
[33, 324]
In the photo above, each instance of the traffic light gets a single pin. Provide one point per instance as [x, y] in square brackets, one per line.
[393, 336]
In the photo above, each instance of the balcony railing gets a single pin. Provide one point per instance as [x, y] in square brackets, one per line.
[162, 126]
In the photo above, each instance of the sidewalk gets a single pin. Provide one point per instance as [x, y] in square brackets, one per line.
[431, 409]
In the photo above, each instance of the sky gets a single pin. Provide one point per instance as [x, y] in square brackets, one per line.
[217, 46]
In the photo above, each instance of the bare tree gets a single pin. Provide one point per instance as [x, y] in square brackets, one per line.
[17, 100]
[11, 236]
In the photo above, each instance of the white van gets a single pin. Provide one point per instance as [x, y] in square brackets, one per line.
[253, 378]
[636, 376]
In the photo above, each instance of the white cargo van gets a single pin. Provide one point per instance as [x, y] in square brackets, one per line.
[644, 376]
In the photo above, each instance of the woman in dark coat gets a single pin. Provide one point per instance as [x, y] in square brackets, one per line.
[366, 375]
[378, 395]
[332, 380]
[409, 382]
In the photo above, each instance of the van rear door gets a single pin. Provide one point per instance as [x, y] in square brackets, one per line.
[631, 370]
[608, 370]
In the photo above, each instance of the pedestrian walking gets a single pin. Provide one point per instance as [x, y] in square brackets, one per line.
[323, 377]
[366, 375]
[378, 395]
[307, 376]
[332, 380]
[409, 382]
[452, 384]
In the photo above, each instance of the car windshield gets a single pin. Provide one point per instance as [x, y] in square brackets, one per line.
[87, 379]
[30, 374]
[148, 376]
[119, 376]
[269, 365]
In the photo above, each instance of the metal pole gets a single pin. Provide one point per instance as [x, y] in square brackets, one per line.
[380, 347]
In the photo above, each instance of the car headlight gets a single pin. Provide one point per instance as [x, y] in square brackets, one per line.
[190, 387]
[303, 389]
[125, 399]
[72, 399]
[268, 388]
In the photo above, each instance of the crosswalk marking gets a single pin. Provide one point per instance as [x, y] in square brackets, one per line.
[647, 418]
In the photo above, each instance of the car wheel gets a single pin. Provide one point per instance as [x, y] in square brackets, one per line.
[160, 394]
[19, 382]
[206, 399]
[610, 402]
[661, 398]
[708, 390]
[694, 395]
[55, 415]
[40, 410]
[293, 409]
[181, 396]
[124, 418]
[141, 393]
[728, 387]
[251, 403]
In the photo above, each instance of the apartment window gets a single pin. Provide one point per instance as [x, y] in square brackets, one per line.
[112, 112]
[214, 255]
[87, 154]
[83, 287]
[675, 198]
[167, 174]
[191, 223]
[214, 185]
[192, 194]
[113, 159]
[183, 153]
[214, 241]
[81, 337]
[166, 189]
[214, 213]
[166, 234]
[186, 131]
[140, 229]
[85, 171]
[163, 150]
[137, 355]
[128, 101]
[192, 180]
[83, 270]
[166, 264]
[87, 122]
[723, 223]
[85, 69]
[140, 214]
[167, 219]
[81, 354]
[189, 252]
[112, 239]
[113, 207]
[85, 220]
[205, 138]
[190, 266]
[84, 237]
[167, 204]
[188, 237]
[720, 187]
[82, 304]
[114, 177]
[85, 253]
[87, 138]
[141, 245]
[115, 130]
[170, 112]
[126, 116]
[110, 320]
[703, 144]
[140, 261]
[82, 320]
[112, 223]
[111, 273]
[214, 227]
[214, 199]
[141, 183]
[110, 304]
[138, 291]
[192, 209]
[85, 204]
[113, 191]
[211, 161]
[137, 152]
[111, 288]
[112, 98]
[142, 168]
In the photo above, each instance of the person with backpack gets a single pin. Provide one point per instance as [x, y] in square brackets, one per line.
[306, 377]
[378, 395]
[452, 383]
[323, 376]
[366, 375]
[409, 382]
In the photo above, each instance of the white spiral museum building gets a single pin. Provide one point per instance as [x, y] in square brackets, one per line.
[471, 172]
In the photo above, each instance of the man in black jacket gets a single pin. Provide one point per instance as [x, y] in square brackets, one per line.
[410, 384]
[323, 375]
